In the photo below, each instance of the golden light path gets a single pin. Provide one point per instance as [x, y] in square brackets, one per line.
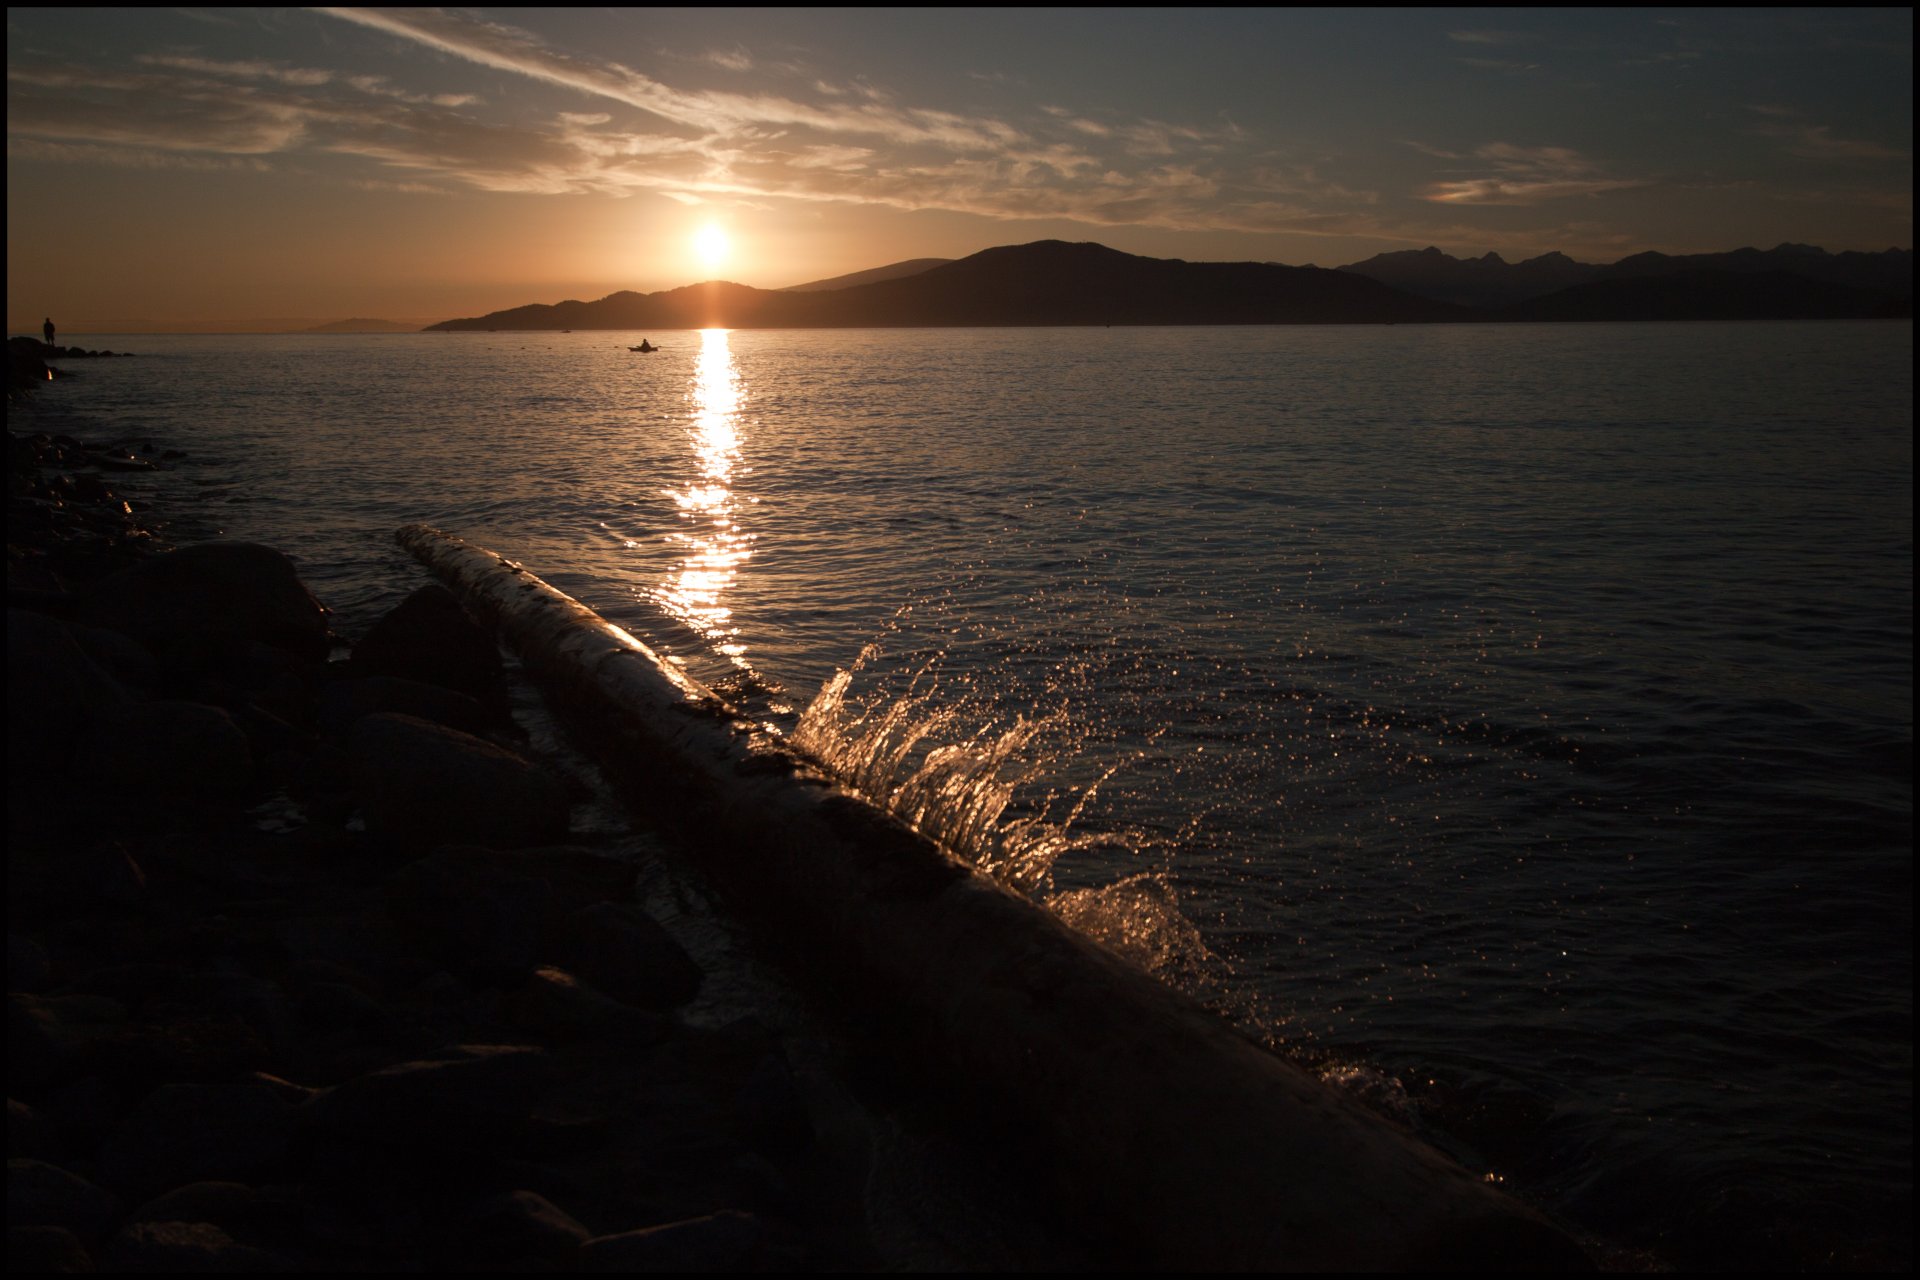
[715, 548]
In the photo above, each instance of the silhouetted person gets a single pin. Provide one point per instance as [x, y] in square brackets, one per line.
[47, 329]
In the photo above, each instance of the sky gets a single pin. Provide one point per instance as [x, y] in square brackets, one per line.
[215, 167]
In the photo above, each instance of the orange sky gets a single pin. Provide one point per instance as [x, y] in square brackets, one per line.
[218, 167]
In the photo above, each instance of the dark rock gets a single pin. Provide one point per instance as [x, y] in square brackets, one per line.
[468, 1101]
[345, 702]
[183, 1133]
[473, 914]
[33, 1054]
[520, 1224]
[186, 1246]
[222, 596]
[45, 1195]
[29, 1136]
[120, 656]
[725, 1241]
[58, 698]
[28, 968]
[553, 1005]
[625, 953]
[424, 782]
[265, 1216]
[184, 753]
[430, 638]
[46, 1249]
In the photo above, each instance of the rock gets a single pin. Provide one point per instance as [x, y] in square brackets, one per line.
[221, 596]
[186, 754]
[468, 1101]
[553, 1005]
[45, 1195]
[625, 953]
[29, 1136]
[725, 1241]
[430, 638]
[343, 703]
[44, 1249]
[474, 914]
[520, 1224]
[28, 967]
[33, 1054]
[181, 1133]
[265, 1216]
[185, 1246]
[58, 698]
[424, 782]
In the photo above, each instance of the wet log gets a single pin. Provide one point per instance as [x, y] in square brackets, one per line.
[1169, 1139]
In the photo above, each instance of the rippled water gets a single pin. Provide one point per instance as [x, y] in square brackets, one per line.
[1514, 721]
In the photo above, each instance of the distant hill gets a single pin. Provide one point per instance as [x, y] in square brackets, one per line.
[1711, 295]
[1049, 282]
[911, 267]
[1490, 281]
[365, 326]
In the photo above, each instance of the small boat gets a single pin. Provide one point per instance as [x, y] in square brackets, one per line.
[645, 347]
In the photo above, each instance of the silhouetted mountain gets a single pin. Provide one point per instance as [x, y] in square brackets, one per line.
[1490, 281]
[1711, 295]
[1046, 283]
[911, 267]
[1487, 281]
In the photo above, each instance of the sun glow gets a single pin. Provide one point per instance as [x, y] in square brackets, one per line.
[712, 244]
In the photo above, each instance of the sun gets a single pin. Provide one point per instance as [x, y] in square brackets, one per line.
[712, 244]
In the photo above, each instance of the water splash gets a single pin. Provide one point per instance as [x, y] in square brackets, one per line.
[916, 757]
[970, 786]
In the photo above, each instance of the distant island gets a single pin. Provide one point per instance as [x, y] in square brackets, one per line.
[1052, 282]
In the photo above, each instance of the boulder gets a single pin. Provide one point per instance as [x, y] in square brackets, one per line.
[186, 1246]
[438, 1113]
[171, 752]
[423, 782]
[46, 1249]
[44, 1195]
[725, 1241]
[58, 699]
[519, 1225]
[344, 703]
[552, 1005]
[475, 915]
[219, 596]
[626, 953]
[238, 1131]
[430, 638]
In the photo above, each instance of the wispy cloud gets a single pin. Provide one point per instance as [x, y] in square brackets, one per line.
[1524, 176]
[1489, 36]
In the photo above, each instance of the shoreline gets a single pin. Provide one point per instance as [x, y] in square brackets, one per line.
[441, 1034]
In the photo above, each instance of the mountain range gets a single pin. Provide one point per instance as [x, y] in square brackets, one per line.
[1052, 282]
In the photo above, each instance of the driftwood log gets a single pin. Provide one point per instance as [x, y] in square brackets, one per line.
[1169, 1140]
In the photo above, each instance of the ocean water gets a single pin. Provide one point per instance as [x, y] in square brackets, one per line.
[1514, 723]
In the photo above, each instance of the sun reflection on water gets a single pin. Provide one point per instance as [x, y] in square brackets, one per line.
[715, 548]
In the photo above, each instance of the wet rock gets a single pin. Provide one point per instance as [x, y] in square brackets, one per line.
[238, 1131]
[627, 954]
[482, 918]
[343, 703]
[430, 638]
[424, 782]
[44, 1195]
[219, 597]
[725, 1241]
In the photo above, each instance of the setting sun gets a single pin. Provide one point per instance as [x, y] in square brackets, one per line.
[712, 245]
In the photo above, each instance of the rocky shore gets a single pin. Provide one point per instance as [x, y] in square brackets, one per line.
[424, 1026]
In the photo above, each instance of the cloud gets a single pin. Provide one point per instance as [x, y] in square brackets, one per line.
[1524, 176]
[1487, 36]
